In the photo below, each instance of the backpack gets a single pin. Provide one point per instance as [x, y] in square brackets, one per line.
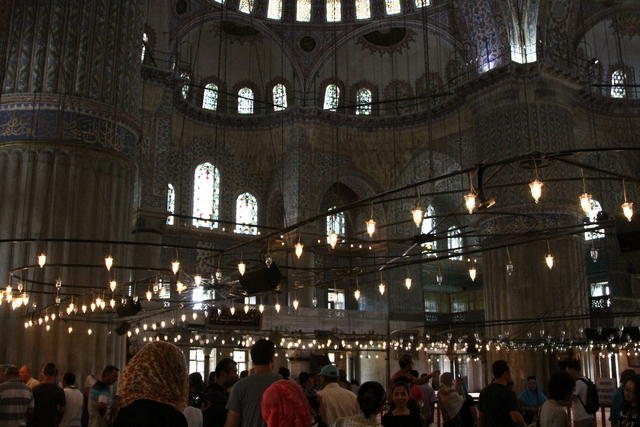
[592, 403]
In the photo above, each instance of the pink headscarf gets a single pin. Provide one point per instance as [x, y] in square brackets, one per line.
[285, 405]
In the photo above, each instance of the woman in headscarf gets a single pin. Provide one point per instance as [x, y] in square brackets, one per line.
[285, 405]
[449, 401]
[153, 390]
[531, 400]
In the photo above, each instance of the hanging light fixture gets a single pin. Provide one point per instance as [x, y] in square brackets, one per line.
[298, 248]
[509, 266]
[470, 201]
[242, 267]
[439, 278]
[593, 252]
[112, 285]
[585, 198]
[149, 294]
[407, 282]
[473, 272]
[246, 308]
[549, 259]
[332, 239]
[417, 214]
[232, 310]
[296, 303]
[261, 308]
[175, 266]
[356, 294]
[108, 262]
[197, 280]
[277, 307]
[42, 259]
[112, 303]
[381, 288]
[371, 227]
[627, 206]
[180, 287]
[84, 308]
[93, 306]
[536, 189]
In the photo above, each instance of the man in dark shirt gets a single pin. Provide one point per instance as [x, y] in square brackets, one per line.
[498, 404]
[49, 399]
[216, 395]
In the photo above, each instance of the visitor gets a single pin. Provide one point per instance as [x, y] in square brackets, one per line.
[618, 396]
[154, 388]
[498, 404]
[531, 399]
[285, 405]
[48, 398]
[400, 415]
[217, 394]
[244, 401]
[449, 401]
[553, 412]
[244, 374]
[581, 418]
[72, 416]
[306, 382]
[371, 400]
[25, 376]
[334, 401]
[195, 402]
[16, 400]
[468, 412]
[284, 373]
[428, 401]
[406, 366]
[100, 400]
[630, 411]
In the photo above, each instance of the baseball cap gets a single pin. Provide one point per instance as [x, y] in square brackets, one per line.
[330, 371]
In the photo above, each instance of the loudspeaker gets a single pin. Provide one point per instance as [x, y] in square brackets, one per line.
[628, 233]
[123, 328]
[263, 280]
[129, 309]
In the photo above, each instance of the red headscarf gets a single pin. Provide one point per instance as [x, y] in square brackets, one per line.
[285, 405]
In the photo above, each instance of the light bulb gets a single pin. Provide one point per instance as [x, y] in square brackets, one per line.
[58, 283]
[183, 317]
[356, 294]
[112, 303]
[472, 273]
[298, 248]
[148, 294]
[84, 308]
[180, 287]
[295, 304]
[585, 203]
[407, 282]
[246, 308]
[277, 307]
[197, 279]
[53, 317]
[108, 262]
[242, 268]
[261, 308]
[417, 214]
[381, 288]
[70, 329]
[112, 285]
[175, 266]
[93, 306]
[332, 240]
[627, 210]
[536, 189]
[371, 227]
[42, 259]
[549, 260]
[232, 310]
[194, 315]
[439, 278]
[470, 202]
[48, 327]
[509, 268]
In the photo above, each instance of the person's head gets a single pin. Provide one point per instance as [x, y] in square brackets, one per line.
[109, 374]
[573, 367]
[447, 379]
[284, 373]
[330, 373]
[501, 370]
[405, 362]
[262, 352]
[244, 374]
[284, 404]
[226, 373]
[196, 384]
[627, 374]
[11, 373]
[532, 383]
[414, 373]
[50, 373]
[25, 373]
[304, 379]
[561, 386]
[631, 389]
[68, 379]
[158, 372]
[371, 398]
[400, 394]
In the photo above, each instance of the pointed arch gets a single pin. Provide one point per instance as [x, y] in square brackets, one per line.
[246, 214]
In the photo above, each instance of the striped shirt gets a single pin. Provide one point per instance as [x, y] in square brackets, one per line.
[16, 400]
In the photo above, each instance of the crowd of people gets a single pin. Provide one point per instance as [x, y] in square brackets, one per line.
[155, 390]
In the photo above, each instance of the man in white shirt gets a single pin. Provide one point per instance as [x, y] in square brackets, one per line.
[581, 418]
[335, 401]
[73, 409]
[27, 379]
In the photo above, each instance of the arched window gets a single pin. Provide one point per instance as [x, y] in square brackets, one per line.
[363, 102]
[279, 97]
[184, 90]
[331, 97]
[333, 11]
[246, 214]
[363, 9]
[274, 11]
[303, 10]
[171, 202]
[422, 3]
[428, 227]
[454, 241]
[210, 97]
[145, 41]
[206, 195]
[245, 6]
[245, 101]
[392, 7]
[618, 82]
[592, 231]
[336, 224]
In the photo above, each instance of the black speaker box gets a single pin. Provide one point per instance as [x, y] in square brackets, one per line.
[129, 309]
[265, 279]
[628, 233]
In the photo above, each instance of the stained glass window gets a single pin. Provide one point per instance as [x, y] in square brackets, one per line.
[303, 10]
[336, 224]
[363, 9]
[279, 97]
[422, 3]
[618, 82]
[245, 6]
[245, 101]
[592, 231]
[210, 97]
[333, 11]
[145, 41]
[206, 195]
[331, 97]
[454, 241]
[363, 102]
[184, 90]
[246, 214]
[274, 11]
[171, 202]
[428, 227]
[392, 7]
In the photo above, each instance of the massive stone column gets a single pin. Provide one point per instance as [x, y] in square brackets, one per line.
[68, 134]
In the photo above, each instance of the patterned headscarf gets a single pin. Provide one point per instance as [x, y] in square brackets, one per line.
[157, 372]
[285, 405]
